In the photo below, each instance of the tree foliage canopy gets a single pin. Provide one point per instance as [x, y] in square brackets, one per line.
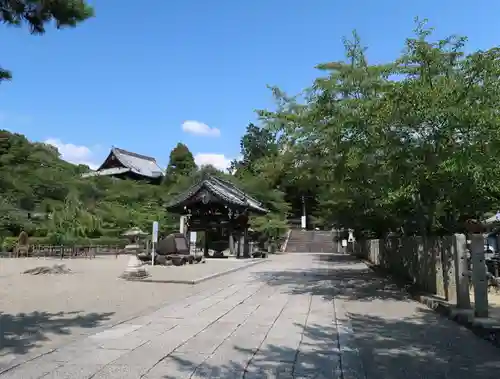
[36, 14]
[409, 146]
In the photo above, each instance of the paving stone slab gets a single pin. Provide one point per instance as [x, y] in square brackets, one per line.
[245, 328]
[121, 371]
[205, 372]
[206, 341]
[116, 331]
[269, 370]
[239, 313]
[125, 343]
[176, 366]
[31, 370]
[226, 361]
[69, 352]
[74, 371]
[99, 357]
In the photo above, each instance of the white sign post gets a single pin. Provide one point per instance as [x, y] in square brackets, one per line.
[154, 240]
[192, 243]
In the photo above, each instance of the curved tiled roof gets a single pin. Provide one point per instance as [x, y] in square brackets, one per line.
[132, 162]
[139, 164]
[222, 189]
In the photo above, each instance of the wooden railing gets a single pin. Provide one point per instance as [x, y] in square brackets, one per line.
[77, 251]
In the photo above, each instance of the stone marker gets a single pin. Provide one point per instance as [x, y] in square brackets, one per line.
[135, 270]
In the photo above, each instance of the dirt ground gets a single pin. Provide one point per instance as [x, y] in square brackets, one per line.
[94, 285]
[67, 305]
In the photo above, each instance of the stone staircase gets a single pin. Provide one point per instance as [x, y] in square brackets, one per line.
[309, 241]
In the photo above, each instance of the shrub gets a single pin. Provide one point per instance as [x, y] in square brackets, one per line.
[9, 243]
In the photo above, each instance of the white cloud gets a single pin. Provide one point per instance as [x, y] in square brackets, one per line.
[199, 129]
[219, 161]
[77, 154]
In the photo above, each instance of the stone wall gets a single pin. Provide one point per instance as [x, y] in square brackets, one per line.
[427, 263]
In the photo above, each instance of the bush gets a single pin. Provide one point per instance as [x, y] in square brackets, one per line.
[9, 243]
[39, 241]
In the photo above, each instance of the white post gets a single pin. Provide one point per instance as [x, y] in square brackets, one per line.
[182, 224]
[192, 243]
[303, 219]
[154, 240]
[152, 254]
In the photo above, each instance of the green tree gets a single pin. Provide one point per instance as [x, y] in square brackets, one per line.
[256, 144]
[406, 146]
[181, 164]
[38, 13]
[70, 221]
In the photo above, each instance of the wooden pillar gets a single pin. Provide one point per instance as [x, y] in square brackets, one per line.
[205, 247]
[238, 252]
[231, 242]
[335, 235]
[246, 247]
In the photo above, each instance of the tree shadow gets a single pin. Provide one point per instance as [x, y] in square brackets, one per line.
[340, 275]
[388, 349]
[23, 332]
[318, 358]
[410, 345]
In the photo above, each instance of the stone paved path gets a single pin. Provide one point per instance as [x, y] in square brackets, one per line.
[297, 316]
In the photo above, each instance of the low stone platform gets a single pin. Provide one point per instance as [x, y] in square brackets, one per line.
[199, 272]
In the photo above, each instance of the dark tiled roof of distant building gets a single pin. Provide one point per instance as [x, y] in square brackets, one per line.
[138, 164]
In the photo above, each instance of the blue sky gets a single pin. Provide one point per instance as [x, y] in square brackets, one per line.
[133, 75]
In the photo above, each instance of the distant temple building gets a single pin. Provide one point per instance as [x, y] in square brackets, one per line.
[124, 164]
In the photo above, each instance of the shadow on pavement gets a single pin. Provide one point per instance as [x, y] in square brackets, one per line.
[396, 338]
[313, 362]
[24, 331]
[338, 275]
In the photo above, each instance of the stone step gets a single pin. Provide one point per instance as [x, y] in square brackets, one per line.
[310, 241]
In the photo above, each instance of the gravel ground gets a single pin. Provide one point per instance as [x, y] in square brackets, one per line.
[68, 305]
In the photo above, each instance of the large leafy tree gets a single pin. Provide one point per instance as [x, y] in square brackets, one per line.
[256, 144]
[407, 146]
[36, 14]
[181, 164]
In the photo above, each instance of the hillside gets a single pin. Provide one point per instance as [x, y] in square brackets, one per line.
[35, 183]
[46, 196]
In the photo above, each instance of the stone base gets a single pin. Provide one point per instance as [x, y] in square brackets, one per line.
[136, 274]
[135, 270]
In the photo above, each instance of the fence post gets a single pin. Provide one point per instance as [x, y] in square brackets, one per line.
[340, 249]
[335, 246]
[479, 276]
[461, 271]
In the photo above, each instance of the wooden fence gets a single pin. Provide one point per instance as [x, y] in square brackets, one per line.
[77, 251]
